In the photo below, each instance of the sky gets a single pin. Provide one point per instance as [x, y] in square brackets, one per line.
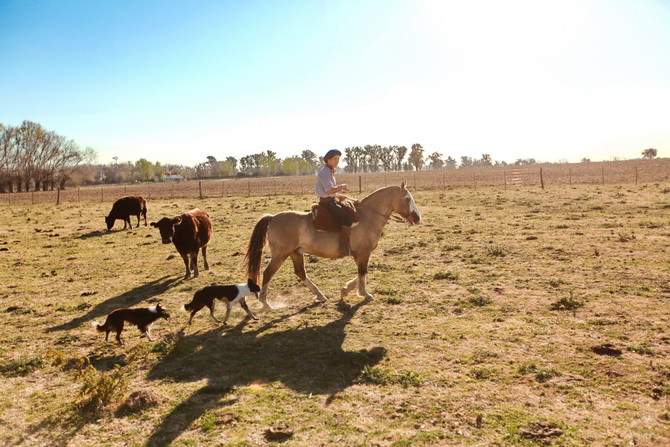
[177, 81]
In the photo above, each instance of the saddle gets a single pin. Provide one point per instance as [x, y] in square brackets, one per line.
[324, 220]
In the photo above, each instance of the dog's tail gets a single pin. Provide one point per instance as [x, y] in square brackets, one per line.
[99, 327]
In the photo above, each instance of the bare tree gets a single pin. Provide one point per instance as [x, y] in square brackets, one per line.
[387, 157]
[400, 152]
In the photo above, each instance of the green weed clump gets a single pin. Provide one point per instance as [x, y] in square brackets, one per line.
[541, 374]
[479, 301]
[21, 367]
[496, 252]
[567, 303]
[99, 388]
[379, 376]
[449, 276]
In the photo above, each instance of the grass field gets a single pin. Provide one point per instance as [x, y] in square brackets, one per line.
[517, 317]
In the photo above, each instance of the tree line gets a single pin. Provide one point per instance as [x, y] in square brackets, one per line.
[33, 158]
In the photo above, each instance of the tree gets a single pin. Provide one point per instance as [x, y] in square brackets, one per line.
[400, 152]
[387, 157]
[214, 168]
[247, 164]
[372, 157]
[466, 162]
[486, 161]
[269, 163]
[311, 158]
[227, 168]
[149, 172]
[233, 162]
[436, 161]
[649, 153]
[450, 163]
[296, 166]
[416, 157]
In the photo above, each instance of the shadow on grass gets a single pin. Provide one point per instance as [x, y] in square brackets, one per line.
[126, 299]
[90, 234]
[308, 360]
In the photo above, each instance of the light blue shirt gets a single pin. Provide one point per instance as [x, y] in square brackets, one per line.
[325, 180]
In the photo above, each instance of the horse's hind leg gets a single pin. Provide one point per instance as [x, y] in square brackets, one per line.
[268, 273]
[351, 285]
[299, 269]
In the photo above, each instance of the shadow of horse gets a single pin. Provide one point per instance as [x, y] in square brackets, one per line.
[126, 299]
[308, 360]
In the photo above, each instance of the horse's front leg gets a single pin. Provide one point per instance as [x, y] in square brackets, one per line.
[299, 269]
[362, 263]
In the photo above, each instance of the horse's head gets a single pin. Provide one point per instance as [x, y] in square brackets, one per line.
[405, 206]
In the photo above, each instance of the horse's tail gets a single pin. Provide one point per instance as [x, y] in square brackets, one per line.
[254, 256]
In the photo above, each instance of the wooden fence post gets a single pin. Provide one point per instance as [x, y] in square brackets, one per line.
[360, 185]
[570, 176]
[102, 194]
[248, 188]
[636, 174]
[58, 196]
[603, 175]
[200, 187]
[541, 178]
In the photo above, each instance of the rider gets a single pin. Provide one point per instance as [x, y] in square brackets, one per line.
[327, 189]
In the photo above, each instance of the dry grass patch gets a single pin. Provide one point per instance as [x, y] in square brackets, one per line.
[516, 317]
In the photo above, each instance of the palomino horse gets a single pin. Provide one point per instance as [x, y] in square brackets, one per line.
[292, 234]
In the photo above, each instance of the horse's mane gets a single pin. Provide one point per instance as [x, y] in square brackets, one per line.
[374, 194]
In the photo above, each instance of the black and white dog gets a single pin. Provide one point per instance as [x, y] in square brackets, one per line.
[228, 294]
[142, 318]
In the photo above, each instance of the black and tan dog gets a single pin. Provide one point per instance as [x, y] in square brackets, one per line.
[142, 318]
[228, 294]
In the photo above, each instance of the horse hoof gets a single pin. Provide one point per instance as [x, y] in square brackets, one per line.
[369, 298]
[266, 308]
[321, 298]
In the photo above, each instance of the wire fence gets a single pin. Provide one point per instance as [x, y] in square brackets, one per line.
[542, 176]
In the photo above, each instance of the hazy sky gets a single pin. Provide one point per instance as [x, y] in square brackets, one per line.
[176, 81]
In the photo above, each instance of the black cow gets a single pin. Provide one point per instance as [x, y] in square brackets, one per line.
[189, 232]
[126, 207]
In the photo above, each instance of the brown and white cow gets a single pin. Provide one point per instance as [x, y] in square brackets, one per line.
[126, 207]
[189, 232]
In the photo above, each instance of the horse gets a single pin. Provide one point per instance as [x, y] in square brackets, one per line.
[292, 234]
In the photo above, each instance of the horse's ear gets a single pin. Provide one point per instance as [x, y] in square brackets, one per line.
[403, 185]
